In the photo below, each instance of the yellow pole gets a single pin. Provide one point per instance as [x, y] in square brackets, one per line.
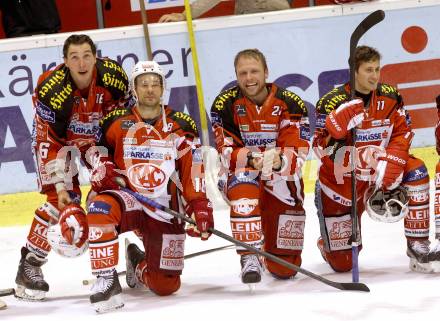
[203, 121]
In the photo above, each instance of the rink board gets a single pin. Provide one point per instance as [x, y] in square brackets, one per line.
[307, 51]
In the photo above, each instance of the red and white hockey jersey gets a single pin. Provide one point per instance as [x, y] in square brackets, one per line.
[385, 128]
[159, 163]
[64, 117]
[241, 126]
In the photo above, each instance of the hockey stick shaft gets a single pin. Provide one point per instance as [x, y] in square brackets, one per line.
[366, 24]
[186, 257]
[183, 217]
[146, 32]
[6, 292]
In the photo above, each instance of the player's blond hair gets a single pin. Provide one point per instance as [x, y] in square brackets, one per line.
[251, 53]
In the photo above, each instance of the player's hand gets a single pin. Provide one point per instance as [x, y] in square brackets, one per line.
[267, 161]
[73, 223]
[172, 17]
[344, 118]
[105, 176]
[390, 169]
[200, 210]
[255, 160]
[63, 199]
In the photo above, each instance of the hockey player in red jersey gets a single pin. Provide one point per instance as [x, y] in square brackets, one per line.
[383, 138]
[262, 136]
[157, 150]
[69, 101]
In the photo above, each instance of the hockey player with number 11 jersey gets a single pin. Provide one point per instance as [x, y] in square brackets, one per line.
[383, 165]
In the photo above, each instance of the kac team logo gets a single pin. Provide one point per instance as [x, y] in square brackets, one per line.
[146, 176]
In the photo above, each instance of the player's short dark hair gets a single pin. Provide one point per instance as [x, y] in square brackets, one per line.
[365, 54]
[78, 40]
[251, 53]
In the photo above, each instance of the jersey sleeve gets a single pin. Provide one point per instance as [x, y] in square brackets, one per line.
[402, 133]
[294, 131]
[113, 78]
[325, 105]
[48, 138]
[228, 140]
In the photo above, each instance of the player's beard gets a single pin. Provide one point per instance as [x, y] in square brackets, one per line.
[150, 105]
[149, 102]
[256, 94]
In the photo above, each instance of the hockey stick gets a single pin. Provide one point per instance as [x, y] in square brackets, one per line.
[186, 257]
[366, 24]
[338, 285]
[145, 27]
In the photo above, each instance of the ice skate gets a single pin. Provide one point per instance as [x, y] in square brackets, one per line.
[251, 270]
[434, 256]
[30, 279]
[133, 255]
[418, 252]
[3, 305]
[107, 293]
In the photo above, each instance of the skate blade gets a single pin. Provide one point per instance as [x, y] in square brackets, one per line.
[3, 305]
[416, 266]
[252, 287]
[114, 303]
[25, 294]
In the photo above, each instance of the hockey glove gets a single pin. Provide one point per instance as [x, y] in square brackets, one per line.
[390, 169]
[104, 176]
[73, 223]
[344, 118]
[200, 210]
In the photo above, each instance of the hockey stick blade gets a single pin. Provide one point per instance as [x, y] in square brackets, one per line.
[6, 292]
[341, 286]
[356, 286]
[370, 21]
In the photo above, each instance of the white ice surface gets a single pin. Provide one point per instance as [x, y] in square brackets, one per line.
[211, 288]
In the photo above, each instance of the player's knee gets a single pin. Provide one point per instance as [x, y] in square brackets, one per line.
[243, 186]
[416, 172]
[280, 271]
[340, 261]
[45, 212]
[101, 206]
[162, 284]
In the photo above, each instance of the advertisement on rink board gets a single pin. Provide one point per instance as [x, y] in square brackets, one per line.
[307, 56]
